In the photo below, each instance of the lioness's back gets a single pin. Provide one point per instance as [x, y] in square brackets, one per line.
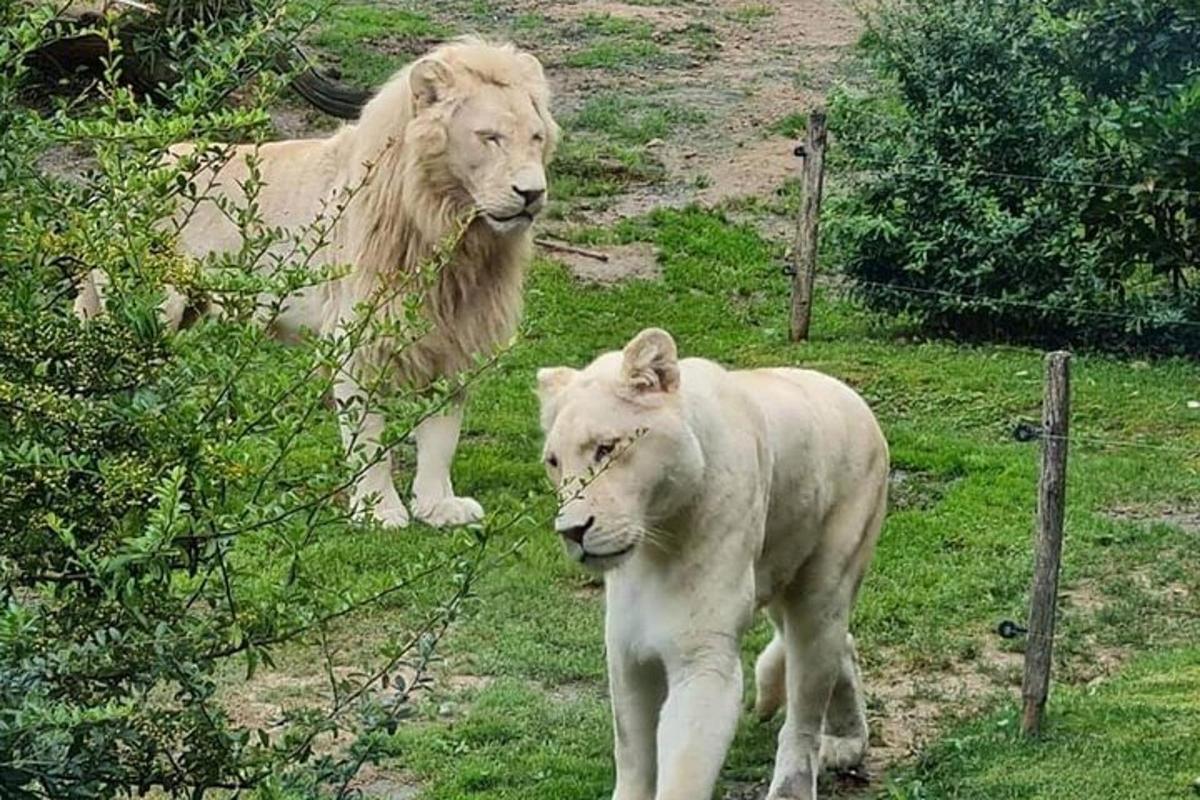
[816, 424]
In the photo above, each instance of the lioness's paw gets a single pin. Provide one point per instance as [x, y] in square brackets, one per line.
[799, 786]
[840, 752]
[448, 511]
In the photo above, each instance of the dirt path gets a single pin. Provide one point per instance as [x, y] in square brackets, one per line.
[742, 67]
[771, 59]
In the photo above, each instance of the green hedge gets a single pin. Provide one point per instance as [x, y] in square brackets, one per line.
[1084, 99]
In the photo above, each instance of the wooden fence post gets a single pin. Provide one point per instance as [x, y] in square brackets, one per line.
[805, 249]
[1043, 594]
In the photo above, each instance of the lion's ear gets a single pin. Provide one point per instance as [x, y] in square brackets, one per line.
[430, 79]
[532, 66]
[550, 384]
[553, 132]
[651, 362]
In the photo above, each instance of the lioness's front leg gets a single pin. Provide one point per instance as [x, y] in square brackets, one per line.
[362, 436]
[637, 692]
[704, 696]
[434, 501]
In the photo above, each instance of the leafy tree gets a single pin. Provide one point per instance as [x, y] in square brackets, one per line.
[165, 503]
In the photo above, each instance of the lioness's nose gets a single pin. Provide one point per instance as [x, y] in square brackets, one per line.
[574, 533]
[530, 196]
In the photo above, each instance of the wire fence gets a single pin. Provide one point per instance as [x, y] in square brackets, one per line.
[1145, 186]
[1030, 304]
[1032, 432]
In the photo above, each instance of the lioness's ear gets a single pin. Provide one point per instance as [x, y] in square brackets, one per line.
[430, 79]
[550, 383]
[651, 362]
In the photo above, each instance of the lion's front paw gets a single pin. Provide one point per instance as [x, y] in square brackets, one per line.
[388, 514]
[447, 512]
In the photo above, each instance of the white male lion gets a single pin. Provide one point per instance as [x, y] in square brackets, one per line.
[703, 494]
[464, 130]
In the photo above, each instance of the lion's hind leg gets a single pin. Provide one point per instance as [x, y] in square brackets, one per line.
[91, 301]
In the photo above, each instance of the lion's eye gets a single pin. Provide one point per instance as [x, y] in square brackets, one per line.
[552, 461]
[491, 137]
[604, 450]
[539, 138]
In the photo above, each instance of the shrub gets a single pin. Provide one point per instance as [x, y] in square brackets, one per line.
[1010, 171]
[164, 502]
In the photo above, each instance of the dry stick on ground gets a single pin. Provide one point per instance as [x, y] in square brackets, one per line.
[1052, 489]
[561, 247]
[806, 227]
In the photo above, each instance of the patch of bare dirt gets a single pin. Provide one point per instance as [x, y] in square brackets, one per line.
[1187, 519]
[379, 784]
[1085, 598]
[301, 122]
[466, 683]
[762, 70]
[66, 162]
[638, 261]
[908, 708]
[659, 16]
[758, 68]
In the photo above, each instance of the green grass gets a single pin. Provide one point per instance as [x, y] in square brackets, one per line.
[530, 22]
[750, 13]
[792, 126]
[604, 151]
[372, 41]
[954, 558]
[631, 120]
[611, 42]
[615, 26]
[1133, 737]
[589, 166]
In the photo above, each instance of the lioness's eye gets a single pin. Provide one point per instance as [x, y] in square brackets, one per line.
[604, 450]
[537, 137]
[553, 462]
[491, 137]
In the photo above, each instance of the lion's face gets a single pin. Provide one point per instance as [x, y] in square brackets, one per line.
[497, 151]
[498, 133]
[619, 449]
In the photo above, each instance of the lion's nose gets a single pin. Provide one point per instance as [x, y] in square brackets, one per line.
[530, 196]
[575, 533]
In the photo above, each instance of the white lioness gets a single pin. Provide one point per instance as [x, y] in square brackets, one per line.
[464, 129]
[704, 494]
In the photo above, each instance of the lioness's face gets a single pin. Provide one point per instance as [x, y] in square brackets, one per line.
[497, 149]
[619, 449]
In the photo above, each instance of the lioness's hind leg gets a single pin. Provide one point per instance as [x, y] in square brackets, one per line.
[816, 611]
[844, 743]
[770, 672]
